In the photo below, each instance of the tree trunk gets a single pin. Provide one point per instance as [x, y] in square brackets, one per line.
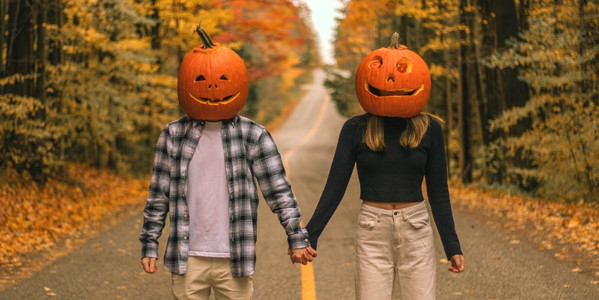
[464, 157]
[448, 95]
[403, 28]
[582, 45]
[507, 27]
[504, 89]
[40, 88]
[522, 10]
[477, 82]
[3, 29]
[20, 48]
[155, 31]
[55, 17]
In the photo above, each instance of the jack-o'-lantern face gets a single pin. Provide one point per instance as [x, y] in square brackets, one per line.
[212, 83]
[393, 82]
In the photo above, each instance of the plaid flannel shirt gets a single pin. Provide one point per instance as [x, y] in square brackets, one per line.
[249, 152]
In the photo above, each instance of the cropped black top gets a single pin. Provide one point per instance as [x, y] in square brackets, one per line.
[392, 175]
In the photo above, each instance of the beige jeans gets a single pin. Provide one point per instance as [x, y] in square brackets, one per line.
[204, 274]
[395, 245]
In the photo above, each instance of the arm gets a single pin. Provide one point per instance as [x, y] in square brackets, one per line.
[156, 207]
[268, 169]
[438, 192]
[339, 175]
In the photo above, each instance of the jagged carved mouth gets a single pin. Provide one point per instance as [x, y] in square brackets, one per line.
[209, 101]
[399, 92]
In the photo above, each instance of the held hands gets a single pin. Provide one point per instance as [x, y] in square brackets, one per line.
[303, 255]
[149, 264]
[457, 263]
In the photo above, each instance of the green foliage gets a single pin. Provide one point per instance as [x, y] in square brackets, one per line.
[555, 156]
[341, 88]
[262, 105]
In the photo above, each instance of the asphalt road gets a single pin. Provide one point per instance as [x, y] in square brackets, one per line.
[499, 264]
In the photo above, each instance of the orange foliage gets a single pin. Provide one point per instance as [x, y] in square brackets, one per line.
[561, 227]
[273, 29]
[33, 217]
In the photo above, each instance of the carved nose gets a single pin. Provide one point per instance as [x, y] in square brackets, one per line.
[391, 77]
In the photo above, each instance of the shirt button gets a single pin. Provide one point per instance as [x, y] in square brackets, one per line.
[185, 237]
[197, 136]
[306, 240]
[395, 213]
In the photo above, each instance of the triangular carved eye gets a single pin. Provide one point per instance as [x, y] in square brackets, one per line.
[200, 78]
[224, 77]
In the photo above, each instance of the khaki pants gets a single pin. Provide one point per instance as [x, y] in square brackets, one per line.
[395, 245]
[204, 274]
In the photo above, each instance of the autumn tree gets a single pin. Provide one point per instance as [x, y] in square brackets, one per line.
[95, 81]
[514, 80]
[557, 58]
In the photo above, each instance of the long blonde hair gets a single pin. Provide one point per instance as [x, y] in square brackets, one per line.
[374, 135]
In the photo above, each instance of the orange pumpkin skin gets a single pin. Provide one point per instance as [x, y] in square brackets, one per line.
[393, 82]
[212, 83]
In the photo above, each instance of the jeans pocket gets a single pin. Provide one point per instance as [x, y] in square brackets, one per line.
[419, 219]
[366, 221]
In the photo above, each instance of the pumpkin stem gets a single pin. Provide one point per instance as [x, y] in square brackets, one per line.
[204, 36]
[394, 43]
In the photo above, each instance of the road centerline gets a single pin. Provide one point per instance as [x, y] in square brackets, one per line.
[307, 271]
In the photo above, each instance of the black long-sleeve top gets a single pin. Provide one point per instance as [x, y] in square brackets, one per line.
[392, 175]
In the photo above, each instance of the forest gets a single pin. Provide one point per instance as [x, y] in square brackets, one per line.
[515, 81]
[93, 82]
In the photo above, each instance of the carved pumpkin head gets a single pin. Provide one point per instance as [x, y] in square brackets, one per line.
[213, 81]
[393, 81]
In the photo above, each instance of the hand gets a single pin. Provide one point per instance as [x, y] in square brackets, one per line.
[457, 263]
[302, 255]
[149, 264]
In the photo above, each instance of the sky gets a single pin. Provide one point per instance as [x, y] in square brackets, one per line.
[323, 18]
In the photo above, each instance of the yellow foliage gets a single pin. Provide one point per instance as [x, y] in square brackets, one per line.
[134, 44]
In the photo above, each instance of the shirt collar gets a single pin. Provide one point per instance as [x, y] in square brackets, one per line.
[230, 121]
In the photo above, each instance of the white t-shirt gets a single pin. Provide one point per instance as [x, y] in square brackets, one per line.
[208, 196]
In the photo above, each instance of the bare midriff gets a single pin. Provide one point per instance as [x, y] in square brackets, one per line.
[390, 205]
